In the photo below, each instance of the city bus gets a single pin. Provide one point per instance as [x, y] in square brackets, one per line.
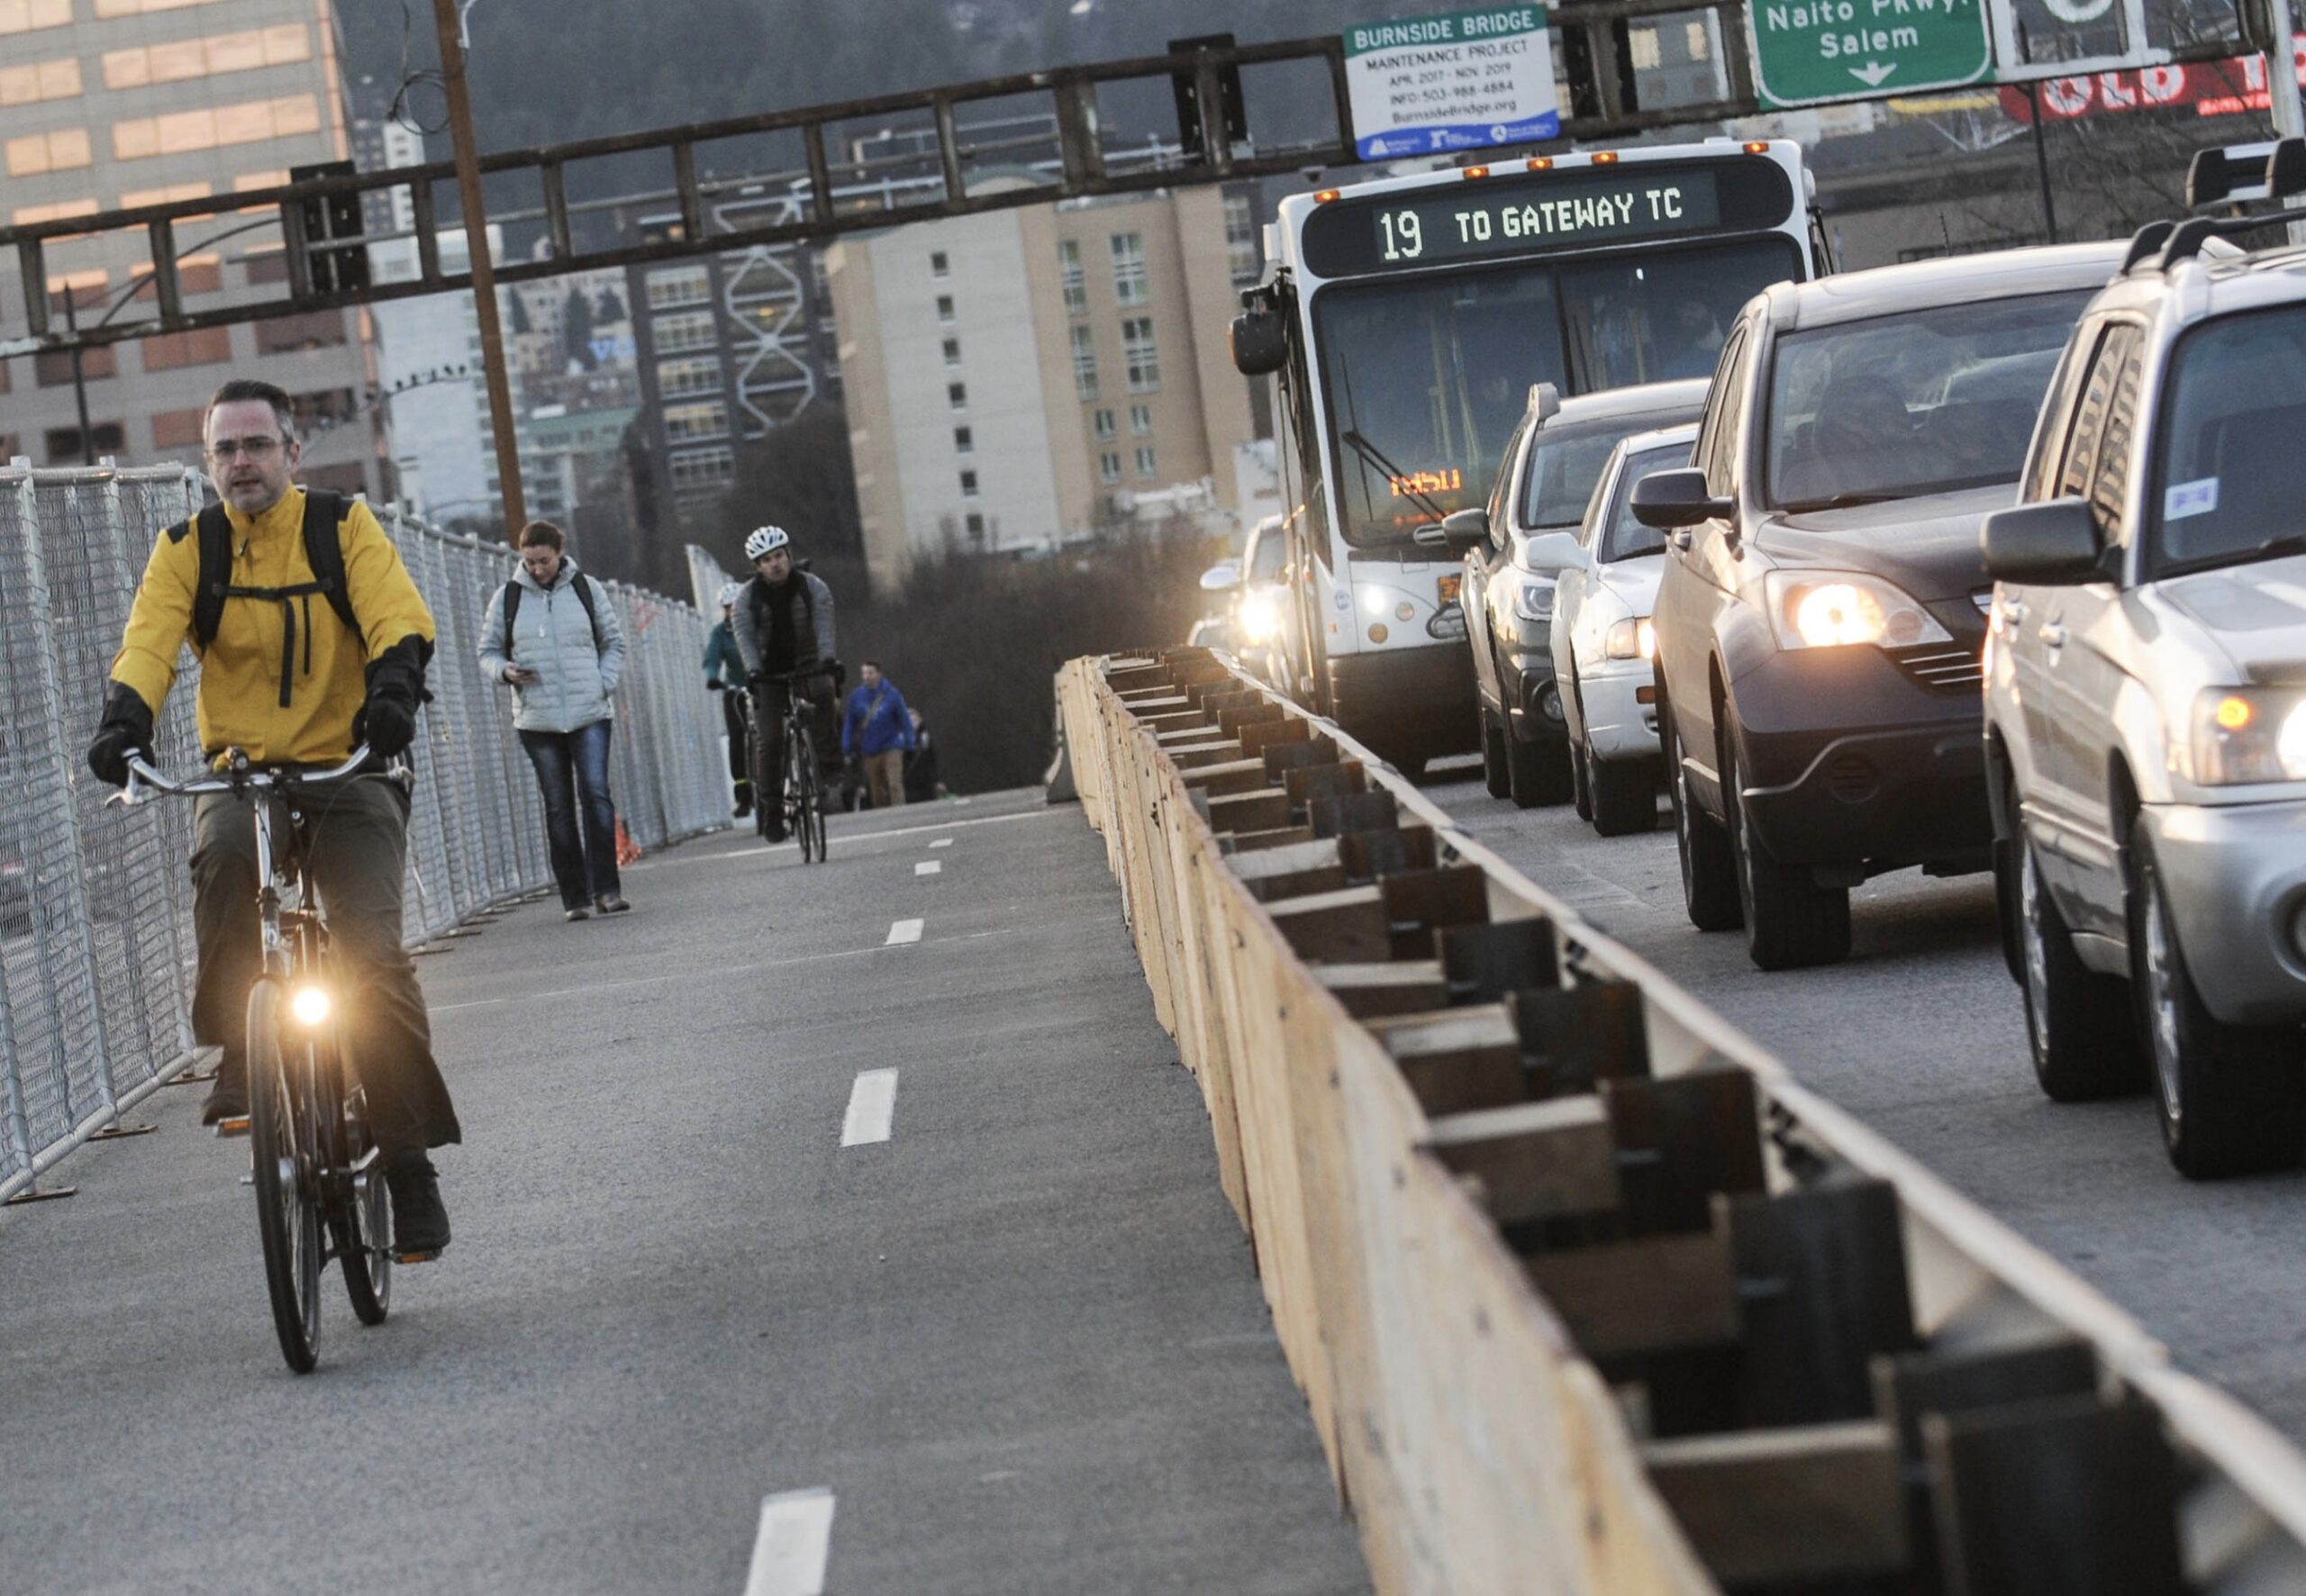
[1406, 320]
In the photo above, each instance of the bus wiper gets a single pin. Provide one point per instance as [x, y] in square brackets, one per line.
[1399, 478]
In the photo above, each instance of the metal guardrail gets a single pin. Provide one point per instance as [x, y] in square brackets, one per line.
[95, 902]
[1585, 1292]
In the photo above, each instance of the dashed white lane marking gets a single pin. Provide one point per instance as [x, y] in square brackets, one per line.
[794, 1543]
[872, 1105]
[942, 842]
[930, 868]
[903, 931]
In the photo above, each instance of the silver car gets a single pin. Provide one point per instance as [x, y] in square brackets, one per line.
[2146, 705]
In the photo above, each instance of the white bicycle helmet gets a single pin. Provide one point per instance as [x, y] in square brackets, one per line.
[765, 541]
[729, 592]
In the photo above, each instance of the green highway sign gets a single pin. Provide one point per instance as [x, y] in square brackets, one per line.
[1807, 53]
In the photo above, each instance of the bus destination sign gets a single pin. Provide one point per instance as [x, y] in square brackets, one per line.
[1506, 217]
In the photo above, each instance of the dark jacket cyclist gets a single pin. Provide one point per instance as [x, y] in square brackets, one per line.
[784, 624]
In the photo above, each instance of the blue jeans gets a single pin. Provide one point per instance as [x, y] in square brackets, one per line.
[573, 769]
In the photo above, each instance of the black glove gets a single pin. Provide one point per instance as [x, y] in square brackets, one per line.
[126, 727]
[714, 683]
[756, 680]
[388, 721]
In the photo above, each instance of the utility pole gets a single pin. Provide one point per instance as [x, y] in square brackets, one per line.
[484, 269]
[2282, 89]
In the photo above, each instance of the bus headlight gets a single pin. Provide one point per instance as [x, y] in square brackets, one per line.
[310, 1005]
[2244, 734]
[1836, 609]
[1533, 597]
[1260, 618]
[1631, 638]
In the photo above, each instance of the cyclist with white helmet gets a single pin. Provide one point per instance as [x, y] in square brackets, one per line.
[784, 625]
[724, 673]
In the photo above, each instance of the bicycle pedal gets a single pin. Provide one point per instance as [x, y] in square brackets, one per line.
[238, 1126]
[402, 1257]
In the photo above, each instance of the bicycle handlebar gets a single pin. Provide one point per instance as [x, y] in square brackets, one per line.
[144, 780]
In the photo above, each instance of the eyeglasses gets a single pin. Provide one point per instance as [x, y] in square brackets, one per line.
[255, 449]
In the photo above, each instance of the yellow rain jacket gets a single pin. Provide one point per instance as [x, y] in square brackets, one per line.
[242, 671]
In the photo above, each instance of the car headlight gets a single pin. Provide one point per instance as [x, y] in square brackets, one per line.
[1836, 609]
[1631, 638]
[1533, 597]
[1259, 618]
[2246, 734]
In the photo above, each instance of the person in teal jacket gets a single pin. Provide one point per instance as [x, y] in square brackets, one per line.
[724, 673]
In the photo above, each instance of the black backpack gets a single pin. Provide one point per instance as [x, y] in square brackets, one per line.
[584, 596]
[324, 513]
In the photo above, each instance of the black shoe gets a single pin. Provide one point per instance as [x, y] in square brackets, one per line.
[420, 1223]
[228, 1098]
[580, 912]
[611, 903]
[777, 831]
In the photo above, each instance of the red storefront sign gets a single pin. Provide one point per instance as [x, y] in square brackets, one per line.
[2213, 88]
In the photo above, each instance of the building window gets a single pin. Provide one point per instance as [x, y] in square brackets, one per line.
[1085, 362]
[313, 329]
[939, 266]
[269, 268]
[62, 150]
[1109, 466]
[968, 485]
[321, 411]
[105, 438]
[1641, 44]
[39, 80]
[195, 274]
[1138, 350]
[1140, 420]
[177, 428]
[110, 8]
[691, 374]
[944, 309]
[252, 122]
[1106, 430]
[975, 522]
[1145, 466]
[62, 211]
[952, 351]
[956, 396]
[26, 16]
[685, 423]
[1128, 270]
[687, 330]
[964, 441]
[208, 345]
[1075, 279]
[702, 470]
[52, 368]
[135, 197]
[206, 57]
[686, 285]
[1241, 251]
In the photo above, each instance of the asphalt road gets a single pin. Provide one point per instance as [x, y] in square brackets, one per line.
[1921, 1033]
[988, 1328]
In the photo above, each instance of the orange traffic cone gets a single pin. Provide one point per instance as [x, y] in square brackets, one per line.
[627, 850]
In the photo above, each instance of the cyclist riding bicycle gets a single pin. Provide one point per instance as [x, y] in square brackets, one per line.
[297, 684]
[724, 673]
[784, 626]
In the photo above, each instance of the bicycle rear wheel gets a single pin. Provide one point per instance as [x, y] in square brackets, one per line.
[358, 1220]
[287, 1209]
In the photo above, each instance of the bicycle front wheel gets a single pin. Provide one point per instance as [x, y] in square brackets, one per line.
[808, 795]
[288, 1206]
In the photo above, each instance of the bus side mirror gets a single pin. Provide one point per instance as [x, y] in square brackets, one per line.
[1665, 500]
[1260, 342]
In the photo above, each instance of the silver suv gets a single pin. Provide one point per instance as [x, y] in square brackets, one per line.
[2146, 703]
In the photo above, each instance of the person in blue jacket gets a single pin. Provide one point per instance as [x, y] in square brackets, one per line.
[724, 673]
[876, 731]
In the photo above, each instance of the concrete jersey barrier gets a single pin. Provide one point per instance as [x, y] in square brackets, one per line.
[1584, 1292]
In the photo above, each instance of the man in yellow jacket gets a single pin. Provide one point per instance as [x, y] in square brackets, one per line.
[291, 682]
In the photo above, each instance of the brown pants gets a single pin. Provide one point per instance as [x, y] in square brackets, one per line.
[885, 778]
[356, 838]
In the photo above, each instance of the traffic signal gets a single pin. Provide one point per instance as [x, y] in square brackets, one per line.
[330, 218]
[1187, 90]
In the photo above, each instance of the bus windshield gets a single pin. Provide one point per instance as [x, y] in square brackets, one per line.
[1425, 379]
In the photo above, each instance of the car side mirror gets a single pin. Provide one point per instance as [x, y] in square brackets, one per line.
[1553, 551]
[2051, 544]
[1461, 531]
[1665, 500]
[1222, 577]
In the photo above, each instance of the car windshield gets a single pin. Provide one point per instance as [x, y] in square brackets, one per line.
[1564, 466]
[2232, 475]
[1925, 402]
[1622, 537]
[1426, 378]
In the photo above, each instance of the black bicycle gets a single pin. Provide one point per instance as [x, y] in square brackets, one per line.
[804, 789]
[319, 1177]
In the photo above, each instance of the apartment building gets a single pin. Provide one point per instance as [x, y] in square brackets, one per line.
[1024, 378]
[106, 103]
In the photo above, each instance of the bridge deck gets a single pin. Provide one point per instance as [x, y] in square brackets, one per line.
[1019, 1341]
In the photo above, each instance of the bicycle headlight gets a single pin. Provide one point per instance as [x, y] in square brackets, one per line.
[310, 1004]
[1835, 608]
[2246, 734]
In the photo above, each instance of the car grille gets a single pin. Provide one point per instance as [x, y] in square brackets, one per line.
[1941, 667]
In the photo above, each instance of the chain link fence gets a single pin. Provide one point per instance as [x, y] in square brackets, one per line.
[96, 900]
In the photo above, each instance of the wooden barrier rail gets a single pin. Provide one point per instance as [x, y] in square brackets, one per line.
[1585, 1292]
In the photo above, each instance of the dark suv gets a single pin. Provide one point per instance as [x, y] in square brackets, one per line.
[1823, 608]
